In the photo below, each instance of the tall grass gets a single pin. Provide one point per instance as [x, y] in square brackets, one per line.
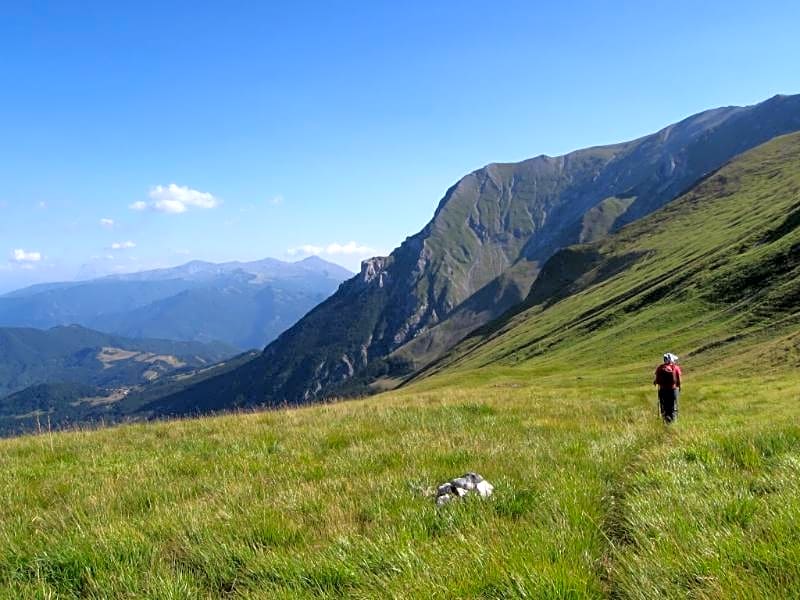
[595, 497]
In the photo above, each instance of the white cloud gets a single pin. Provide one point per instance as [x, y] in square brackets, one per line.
[350, 248]
[167, 205]
[22, 256]
[306, 249]
[107, 223]
[175, 199]
[184, 195]
[276, 200]
[123, 245]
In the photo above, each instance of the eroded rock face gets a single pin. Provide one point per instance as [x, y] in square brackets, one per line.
[373, 271]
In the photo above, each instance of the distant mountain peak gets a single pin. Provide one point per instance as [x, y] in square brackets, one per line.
[313, 259]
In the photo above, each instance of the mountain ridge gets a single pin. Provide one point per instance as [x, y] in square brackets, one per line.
[724, 259]
[241, 304]
[486, 242]
[311, 263]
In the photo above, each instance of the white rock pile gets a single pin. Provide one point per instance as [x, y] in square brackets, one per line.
[469, 483]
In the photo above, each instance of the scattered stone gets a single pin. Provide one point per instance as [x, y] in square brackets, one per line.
[461, 486]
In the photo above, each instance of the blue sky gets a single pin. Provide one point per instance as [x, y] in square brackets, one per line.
[147, 134]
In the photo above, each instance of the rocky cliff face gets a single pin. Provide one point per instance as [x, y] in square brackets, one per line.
[481, 252]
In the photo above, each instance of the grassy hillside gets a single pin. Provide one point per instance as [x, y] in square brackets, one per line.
[71, 374]
[595, 497]
[76, 354]
[715, 276]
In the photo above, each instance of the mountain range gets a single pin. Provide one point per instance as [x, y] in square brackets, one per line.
[508, 247]
[242, 304]
[491, 236]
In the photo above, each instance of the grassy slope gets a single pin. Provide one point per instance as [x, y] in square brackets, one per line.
[715, 276]
[594, 497]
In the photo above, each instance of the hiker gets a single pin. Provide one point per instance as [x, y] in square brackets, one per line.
[668, 380]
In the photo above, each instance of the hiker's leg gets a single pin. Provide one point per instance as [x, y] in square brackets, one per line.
[663, 404]
[671, 398]
[666, 400]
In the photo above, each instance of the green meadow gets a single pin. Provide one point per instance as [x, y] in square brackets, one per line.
[595, 497]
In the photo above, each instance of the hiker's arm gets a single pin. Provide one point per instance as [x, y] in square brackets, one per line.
[678, 378]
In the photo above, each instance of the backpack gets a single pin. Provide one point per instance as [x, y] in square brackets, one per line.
[666, 378]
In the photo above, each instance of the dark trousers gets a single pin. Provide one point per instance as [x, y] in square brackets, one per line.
[668, 403]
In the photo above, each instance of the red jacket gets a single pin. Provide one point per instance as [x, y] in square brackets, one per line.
[676, 369]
